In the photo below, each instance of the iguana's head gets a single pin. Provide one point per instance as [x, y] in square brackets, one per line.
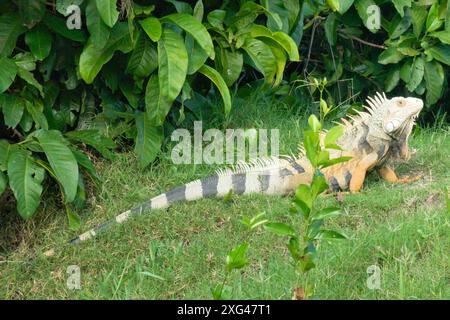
[399, 115]
[395, 118]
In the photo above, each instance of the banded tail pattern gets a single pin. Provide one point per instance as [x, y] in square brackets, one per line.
[265, 176]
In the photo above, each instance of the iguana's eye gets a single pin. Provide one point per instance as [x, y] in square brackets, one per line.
[400, 103]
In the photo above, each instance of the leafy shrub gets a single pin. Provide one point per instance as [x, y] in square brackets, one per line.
[409, 54]
[117, 76]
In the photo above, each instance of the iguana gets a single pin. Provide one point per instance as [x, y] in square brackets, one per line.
[374, 138]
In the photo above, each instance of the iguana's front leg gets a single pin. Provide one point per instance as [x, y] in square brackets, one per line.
[389, 175]
[360, 170]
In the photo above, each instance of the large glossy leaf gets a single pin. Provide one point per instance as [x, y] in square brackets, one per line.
[108, 11]
[152, 28]
[217, 79]
[443, 36]
[281, 60]
[229, 64]
[149, 139]
[10, 29]
[433, 21]
[94, 139]
[8, 73]
[61, 160]
[39, 40]
[434, 80]
[197, 56]
[418, 16]
[36, 110]
[262, 56]
[440, 52]
[92, 58]
[417, 71]
[25, 180]
[172, 67]
[144, 58]
[282, 39]
[390, 55]
[12, 107]
[29, 77]
[195, 28]
[97, 28]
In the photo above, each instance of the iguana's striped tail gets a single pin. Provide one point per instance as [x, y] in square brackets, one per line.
[273, 176]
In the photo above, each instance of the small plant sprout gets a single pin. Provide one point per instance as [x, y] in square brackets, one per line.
[302, 244]
[236, 258]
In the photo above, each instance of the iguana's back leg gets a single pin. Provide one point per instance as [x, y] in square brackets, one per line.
[360, 170]
[389, 175]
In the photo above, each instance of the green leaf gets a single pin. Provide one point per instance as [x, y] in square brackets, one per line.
[108, 11]
[400, 6]
[98, 29]
[417, 71]
[10, 29]
[8, 73]
[280, 59]
[433, 22]
[327, 213]
[197, 56]
[5, 148]
[152, 28]
[144, 58]
[181, 6]
[434, 81]
[3, 182]
[29, 78]
[303, 193]
[280, 38]
[314, 123]
[74, 219]
[61, 160]
[216, 18]
[13, 108]
[94, 139]
[195, 28]
[236, 258]
[199, 10]
[172, 70]
[392, 79]
[262, 56]
[390, 55]
[31, 11]
[331, 29]
[311, 144]
[331, 162]
[25, 180]
[332, 136]
[92, 58]
[281, 229]
[319, 185]
[84, 161]
[399, 25]
[217, 79]
[330, 235]
[39, 40]
[443, 36]
[149, 139]
[229, 64]
[440, 52]
[36, 111]
[58, 25]
[418, 16]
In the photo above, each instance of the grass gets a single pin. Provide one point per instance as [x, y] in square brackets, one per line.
[180, 252]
